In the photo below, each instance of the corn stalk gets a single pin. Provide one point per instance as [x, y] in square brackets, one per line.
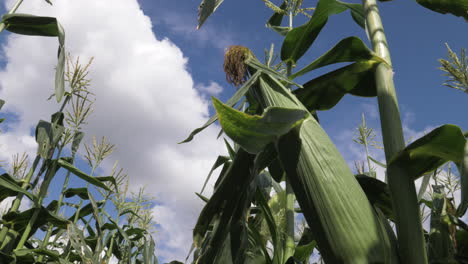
[408, 221]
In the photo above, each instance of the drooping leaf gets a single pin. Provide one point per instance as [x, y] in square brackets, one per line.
[26, 24]
[231, 102]
[350, 49]
[206, 8]
[327, 90]
[253, 133]
[19, 220]
[357, 13]
[80, 192]
[454, 7]
[277, 18]
[443, 144]
[298, 40]
[93, 180]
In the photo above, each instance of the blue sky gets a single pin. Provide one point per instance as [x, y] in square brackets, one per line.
[154, 74]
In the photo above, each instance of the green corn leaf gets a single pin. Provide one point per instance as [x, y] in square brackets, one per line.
[206, 8]
[76, 141]
[83, 211]
[454, 7]
[378, 194]
[277, 18]
[253, 133]
[80, 192]
[26, 24]
[464, 182]
[230, 149]
[203, 198]
[357, 13]
[47, 138]
[424, 184]
[20, 220]
[236, 177]
[440, 249]
[93, 180]
[11, 187]
[350, 49]
[221, 160]
[305, 246]
[378, 162]
[299, 39]
[443, 144]
[231, 102]
[272, 226]
[326, 91]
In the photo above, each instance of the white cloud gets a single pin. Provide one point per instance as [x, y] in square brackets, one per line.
[213, 88]
[145, 103]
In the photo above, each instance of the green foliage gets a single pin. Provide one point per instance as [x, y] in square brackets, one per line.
[349, 217]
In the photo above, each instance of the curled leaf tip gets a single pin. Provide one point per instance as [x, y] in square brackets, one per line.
[234, 64]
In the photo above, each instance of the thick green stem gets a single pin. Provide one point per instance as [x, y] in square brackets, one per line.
[289, 245]
[13, 10]
[408, 221]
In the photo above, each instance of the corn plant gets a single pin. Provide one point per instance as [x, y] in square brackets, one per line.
[279, 139]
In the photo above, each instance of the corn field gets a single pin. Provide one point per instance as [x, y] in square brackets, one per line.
[281, 163]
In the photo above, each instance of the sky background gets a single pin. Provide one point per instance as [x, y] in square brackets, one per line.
[153, 75]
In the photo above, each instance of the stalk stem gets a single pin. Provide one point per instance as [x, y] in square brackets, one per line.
[13, 10]
[411, 242]
[289, 241]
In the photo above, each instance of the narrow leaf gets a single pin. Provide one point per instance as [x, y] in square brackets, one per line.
[443, 144]
[206, 8]
[26, 24]
[347, 50]
[326, 91]
[81, 174]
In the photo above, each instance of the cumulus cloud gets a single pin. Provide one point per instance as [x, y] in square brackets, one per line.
[213, 88]
[145, 103]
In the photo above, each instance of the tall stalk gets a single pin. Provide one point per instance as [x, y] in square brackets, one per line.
[289, 245]
[408, 221]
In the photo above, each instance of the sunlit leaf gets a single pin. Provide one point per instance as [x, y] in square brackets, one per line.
[253, 133]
